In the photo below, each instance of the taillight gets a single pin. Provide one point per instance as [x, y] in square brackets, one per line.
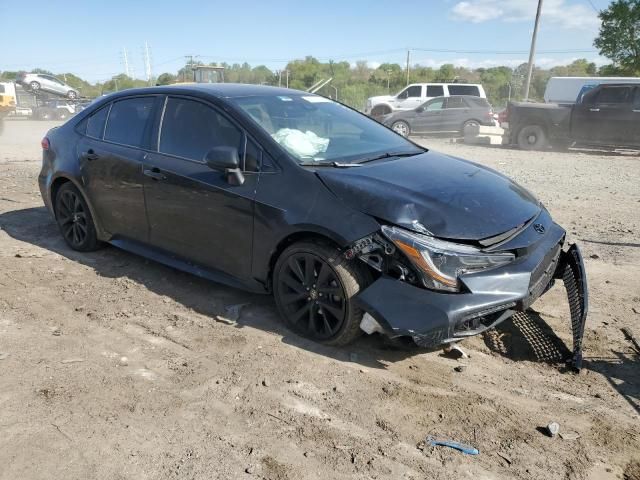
[45, 143]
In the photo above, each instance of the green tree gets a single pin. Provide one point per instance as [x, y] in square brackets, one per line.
[166, 79]
[619, 37]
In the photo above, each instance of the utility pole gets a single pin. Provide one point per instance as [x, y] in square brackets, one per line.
[408, 59]
[532, 52]
[279, 78]
[287, 71]
[125, 58]
[147, 61]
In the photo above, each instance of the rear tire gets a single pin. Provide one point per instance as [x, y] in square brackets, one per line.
[314, 288]
[72, 95]
[532, 137]
[401, 128]
[74, 219]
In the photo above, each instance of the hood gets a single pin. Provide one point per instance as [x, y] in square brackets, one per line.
[450, 197]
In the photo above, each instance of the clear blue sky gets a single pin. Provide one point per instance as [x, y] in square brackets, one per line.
[87, 37]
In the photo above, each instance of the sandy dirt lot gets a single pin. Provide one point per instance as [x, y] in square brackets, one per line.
[200, 396]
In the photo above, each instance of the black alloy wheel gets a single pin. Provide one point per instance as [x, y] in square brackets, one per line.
[74, 219]
[313, 287]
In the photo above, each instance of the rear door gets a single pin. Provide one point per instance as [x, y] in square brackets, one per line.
[193, 212]
[455, 113]
[433, 91]
[110, 156]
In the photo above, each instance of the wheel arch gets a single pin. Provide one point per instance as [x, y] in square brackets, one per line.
[57, 183]
[313, 235]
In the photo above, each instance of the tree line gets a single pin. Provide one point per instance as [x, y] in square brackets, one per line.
[352, 84]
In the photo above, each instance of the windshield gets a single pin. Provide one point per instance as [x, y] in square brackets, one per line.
[314, 129]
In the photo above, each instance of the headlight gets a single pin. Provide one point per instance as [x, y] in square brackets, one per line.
[441, 263]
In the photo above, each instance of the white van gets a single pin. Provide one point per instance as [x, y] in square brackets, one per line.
[416, 94]
[565, 90]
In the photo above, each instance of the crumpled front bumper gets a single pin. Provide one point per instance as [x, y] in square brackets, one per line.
[433, 318]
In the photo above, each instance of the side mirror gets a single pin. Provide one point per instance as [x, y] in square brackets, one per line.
[227, 160]
[420, 109]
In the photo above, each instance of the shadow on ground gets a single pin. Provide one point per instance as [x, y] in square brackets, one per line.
[36, 227]
[527, 337]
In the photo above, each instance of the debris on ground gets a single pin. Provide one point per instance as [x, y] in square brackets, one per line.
[505, 457]
[123, 362]
[467, 449]
[569, 435]
[232, 313]
[552, 429]
[628, 335]
[460, 368]
[72, 360]
[3, 355]
[455, 352]
[56, 332]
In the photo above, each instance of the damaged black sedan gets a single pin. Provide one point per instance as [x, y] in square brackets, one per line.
[350, 226]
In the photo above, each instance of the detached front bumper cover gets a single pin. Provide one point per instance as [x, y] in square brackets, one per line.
[434, 318]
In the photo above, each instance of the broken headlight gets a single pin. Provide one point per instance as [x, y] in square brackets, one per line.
[441, 263]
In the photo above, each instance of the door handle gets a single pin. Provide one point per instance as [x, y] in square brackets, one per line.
[594, 109]
[154, 173]
[91, 155]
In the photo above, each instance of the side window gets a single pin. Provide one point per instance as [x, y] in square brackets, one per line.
[1, 88]
[464, 90]
[414, 91]
[435, 104]
[190, 129]
[590, 96]
[636, 98]
[129, 121]
[435, 91]
[403, 94]
[455, 102]
[95, 123]
[614, 95]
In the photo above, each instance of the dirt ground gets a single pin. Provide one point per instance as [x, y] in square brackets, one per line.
[114, 367]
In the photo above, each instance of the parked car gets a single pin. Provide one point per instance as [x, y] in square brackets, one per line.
[350, 226]
[47, 83]
[441, 115]
[416, 94]
[606, 115]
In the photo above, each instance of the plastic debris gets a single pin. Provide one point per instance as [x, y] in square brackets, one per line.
[569, 436]
[553, 429]
[454, 351]
[467, 449]
[232, 312]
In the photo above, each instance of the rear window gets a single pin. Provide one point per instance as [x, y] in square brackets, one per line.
[614, 94]
[464, 90]
[1, 88]
[129, 121]
[477, 102]
[95, 123]
[435, 91]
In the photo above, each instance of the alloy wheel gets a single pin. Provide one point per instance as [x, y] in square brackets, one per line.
[312, 296]
[72, 218]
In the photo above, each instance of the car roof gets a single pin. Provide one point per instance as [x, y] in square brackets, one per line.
[219, 90]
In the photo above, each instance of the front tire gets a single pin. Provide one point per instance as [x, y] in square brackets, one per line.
[532, 137]
[401, 128]
[72, 95]
[74, 219]
[314, 289]
[34, 86]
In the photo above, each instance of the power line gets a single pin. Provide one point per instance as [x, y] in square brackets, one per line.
[593, 6]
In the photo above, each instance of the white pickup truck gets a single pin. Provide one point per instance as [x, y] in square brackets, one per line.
[416, 94]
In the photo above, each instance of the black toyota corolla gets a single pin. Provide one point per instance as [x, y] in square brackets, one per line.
[350, 226]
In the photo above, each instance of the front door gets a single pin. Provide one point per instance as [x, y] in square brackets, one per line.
[193, 211]
[409, 98]
[429, 118]
[110, 158]
[602, 116]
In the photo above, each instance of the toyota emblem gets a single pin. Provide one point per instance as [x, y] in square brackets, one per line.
[538, 227]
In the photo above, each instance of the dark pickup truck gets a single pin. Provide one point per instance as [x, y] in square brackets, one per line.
[606, 115]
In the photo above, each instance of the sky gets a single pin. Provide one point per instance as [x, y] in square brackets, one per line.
[89, 37]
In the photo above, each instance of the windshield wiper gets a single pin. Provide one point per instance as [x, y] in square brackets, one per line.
[390, 155]
[330, 164]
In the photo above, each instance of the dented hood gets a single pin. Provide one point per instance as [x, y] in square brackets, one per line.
[450, 197]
